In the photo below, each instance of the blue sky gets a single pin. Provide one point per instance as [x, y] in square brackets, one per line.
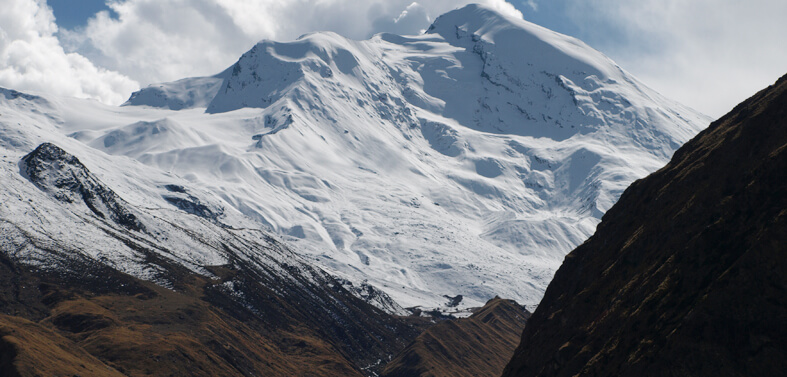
[554, 15]
[70, 14]
[708, 54]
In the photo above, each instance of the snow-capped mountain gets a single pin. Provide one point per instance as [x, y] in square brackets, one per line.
[76, 220]
[465, 161]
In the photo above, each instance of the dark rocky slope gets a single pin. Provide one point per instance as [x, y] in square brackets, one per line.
[476, 346]
[687, 274]
[62, 175]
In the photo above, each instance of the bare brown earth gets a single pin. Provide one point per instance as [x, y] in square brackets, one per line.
[159, 333]
[687, 274]
[56, 327]
[477, 346]
[37, 350]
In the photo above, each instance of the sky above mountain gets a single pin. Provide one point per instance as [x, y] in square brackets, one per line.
[706, 54]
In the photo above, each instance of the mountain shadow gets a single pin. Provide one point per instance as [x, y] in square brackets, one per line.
[686, 275]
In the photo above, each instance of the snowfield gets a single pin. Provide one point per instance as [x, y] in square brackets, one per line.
[465, 161]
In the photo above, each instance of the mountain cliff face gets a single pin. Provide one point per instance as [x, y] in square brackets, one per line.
[686, 273]
[396, 159]
[60, 174]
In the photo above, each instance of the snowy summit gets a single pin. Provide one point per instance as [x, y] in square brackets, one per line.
[465, 161]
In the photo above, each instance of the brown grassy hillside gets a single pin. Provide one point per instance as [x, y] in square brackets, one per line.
[476, 346]
[56, 327]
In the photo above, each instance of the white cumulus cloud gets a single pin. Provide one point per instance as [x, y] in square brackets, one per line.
[32, 59]
[709, 54]
[163, 40]
[147, 41]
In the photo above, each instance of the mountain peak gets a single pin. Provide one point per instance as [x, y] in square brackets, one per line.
[472, 18]
[483, 28]
[61, 174]
[529, 134]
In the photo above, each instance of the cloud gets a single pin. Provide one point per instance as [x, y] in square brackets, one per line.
[32, 59]
[163, 40]
[148, 41]
[708, 54]
[704, 53]
[414, 17]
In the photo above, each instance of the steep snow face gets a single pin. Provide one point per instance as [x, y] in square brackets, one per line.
[58, 210]
[182, 94]
[465, 161]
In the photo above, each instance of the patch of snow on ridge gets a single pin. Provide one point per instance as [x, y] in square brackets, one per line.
[182, 94]
[465, 161]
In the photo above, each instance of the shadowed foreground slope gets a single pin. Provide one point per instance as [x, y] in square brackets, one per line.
[686, 274]
[476, 346]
